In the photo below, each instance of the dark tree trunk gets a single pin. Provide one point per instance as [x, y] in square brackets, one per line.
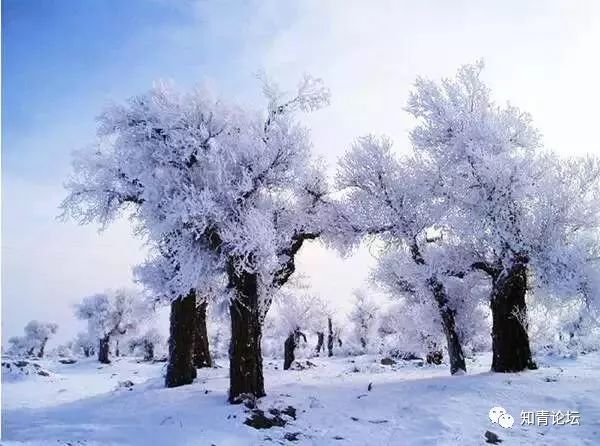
[448, 316]
[180, 369]
[42, 347]
[288, 351]
[510, 342]
[289, 348]
[201, 349]
[329, 337]
[245, 355]
[103, 350]
[434, 355]
[320, 341]
[117, 352]
[148, 351]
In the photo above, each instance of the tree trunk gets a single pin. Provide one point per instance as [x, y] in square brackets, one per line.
[288, 351]
[448, 316]
[180, 369]
[42, 347]
[510, 342]
[201, 348]
[434, 355]
[320, 340]
[117, 352]
[103, 350]
[329, 337]
[245, 355]
[148, 351]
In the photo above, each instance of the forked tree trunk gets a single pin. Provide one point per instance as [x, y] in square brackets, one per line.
[103, 350]
[448, 316]
[245, 356]
[510, 342]
[329, 337]
[320, 341]
[201, 348]
[180, 369]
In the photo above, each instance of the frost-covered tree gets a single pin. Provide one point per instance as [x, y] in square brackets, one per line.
[217, 190]
[363, 317]
[39, 333]
[147, 343]
[188, 339]
[566, 329]
[411, 329]
[20, 346]
[393, 199]
[111, 314]
[85, 343]
[35, 339]
[413, 318]
[477, 176]
[523, 210]
[63, 350]
[296, 313]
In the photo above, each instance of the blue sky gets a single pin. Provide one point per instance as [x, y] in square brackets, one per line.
[63, 60]
[68, 59]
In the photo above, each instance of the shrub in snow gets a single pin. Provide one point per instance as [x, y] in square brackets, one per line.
[567, 329]
[15, 370]
[64, 350]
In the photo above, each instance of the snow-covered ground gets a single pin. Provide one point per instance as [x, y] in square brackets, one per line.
[83, 404]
